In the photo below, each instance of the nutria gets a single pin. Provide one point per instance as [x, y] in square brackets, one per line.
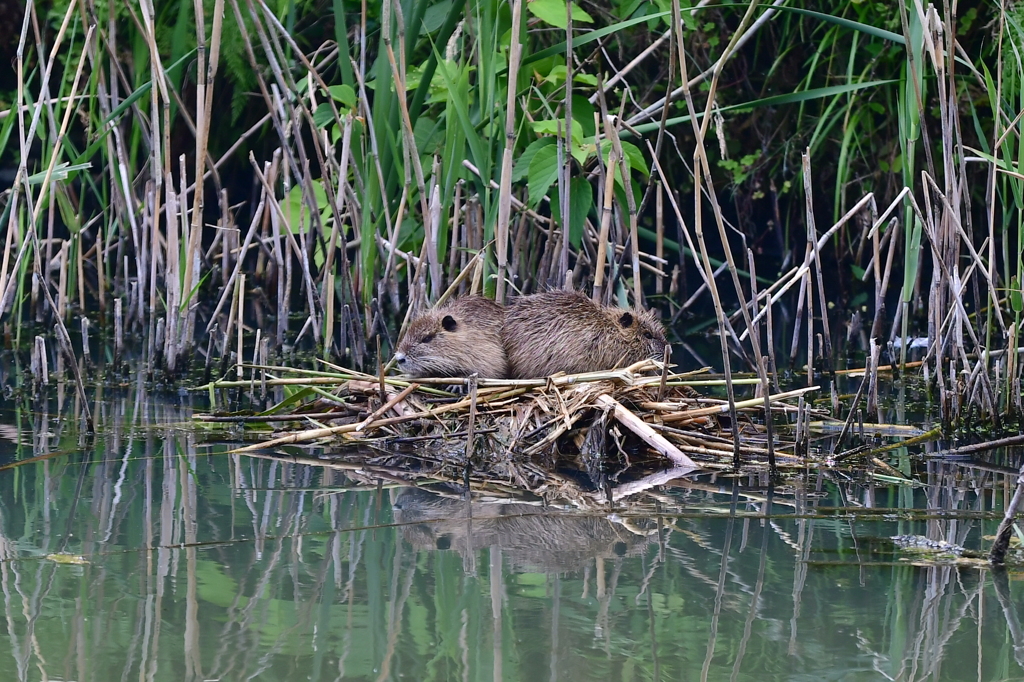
[564, 331]
[457, 339]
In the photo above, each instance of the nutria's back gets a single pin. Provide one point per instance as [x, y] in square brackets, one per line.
[564, 331]
[459, 338]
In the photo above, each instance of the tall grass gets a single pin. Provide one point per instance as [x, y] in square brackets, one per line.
[354, 164]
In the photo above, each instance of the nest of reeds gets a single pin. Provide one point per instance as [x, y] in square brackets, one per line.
[591, 431]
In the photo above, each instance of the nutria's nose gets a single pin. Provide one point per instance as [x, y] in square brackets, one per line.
[400, 358]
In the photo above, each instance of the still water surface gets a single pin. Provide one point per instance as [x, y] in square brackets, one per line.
[149, 554]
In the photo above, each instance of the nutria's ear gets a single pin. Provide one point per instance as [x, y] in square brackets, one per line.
[449, 323]
[626, 320]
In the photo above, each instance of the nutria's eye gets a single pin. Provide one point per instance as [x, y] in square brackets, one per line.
[626, 320]
[428, 338]
[648, 335]
[449, 323]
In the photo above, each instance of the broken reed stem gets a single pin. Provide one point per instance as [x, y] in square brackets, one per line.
[812, 240]
[471, 425]
[118, 331]
[241, 326]
[386, 405]
[659, 234]
[645, 432]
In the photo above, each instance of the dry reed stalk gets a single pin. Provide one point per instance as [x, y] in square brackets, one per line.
[328, 312]
[612, 133]
[809, 309]
[255, 361]
[241, 324]
[562, 183]
[346, 156]
[79, 270]
[431, 239]
[118, 331]
[381, 381]
[62, 282]
[505, 186]
[606, 219]
[455, 255]
[101, 273]
[39, 369]
[798, 318]
[659, 227]
[172, 275]
[471, 424]
[86, 354]
[206, 75]
[812, 240]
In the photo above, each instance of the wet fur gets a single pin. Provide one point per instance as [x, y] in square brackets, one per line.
[456, 340]
[564, 331]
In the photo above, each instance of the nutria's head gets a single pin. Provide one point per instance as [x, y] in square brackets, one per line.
[641, 330]
[456, 340]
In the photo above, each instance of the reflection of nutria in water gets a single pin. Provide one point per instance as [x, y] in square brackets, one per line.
[564, 331]
[455, 340]
[531, 536]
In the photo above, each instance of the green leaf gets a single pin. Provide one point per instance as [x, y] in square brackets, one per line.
[435, 16]
[553, 12]
[60, 172]
[581, 198]
[543, 173]
[67, 211]
[523, 162]
[1016, 300]
[550, 127]
[296, 210]
[343, 93]
[323, 116]
[184, 304]
[635, 157]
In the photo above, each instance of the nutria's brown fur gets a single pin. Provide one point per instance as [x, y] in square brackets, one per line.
[564, 331]
[459, 338]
